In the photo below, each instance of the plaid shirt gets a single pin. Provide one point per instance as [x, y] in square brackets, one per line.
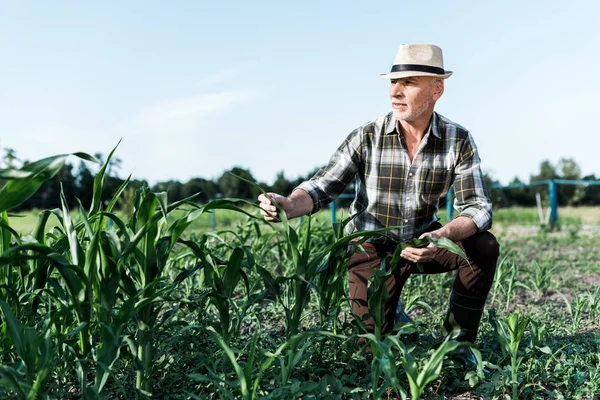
[392, 191]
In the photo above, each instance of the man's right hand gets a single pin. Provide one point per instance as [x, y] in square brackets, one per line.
[268, 209]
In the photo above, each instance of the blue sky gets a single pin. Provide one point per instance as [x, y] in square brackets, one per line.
[196, 87]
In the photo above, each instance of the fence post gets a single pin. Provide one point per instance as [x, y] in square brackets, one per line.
[553, 194]
[213, 216]
[213, 220]
[332, 209]
[449, 208]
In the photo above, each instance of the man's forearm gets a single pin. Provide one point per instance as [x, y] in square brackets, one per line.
[302, 204]
[458, 229]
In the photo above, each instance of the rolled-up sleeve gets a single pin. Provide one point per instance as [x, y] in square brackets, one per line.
[329, 182]
[470, 192]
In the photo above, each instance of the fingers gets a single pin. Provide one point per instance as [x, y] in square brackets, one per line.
[270, 216]
[417, 255]
[433, 234]
[267, 204]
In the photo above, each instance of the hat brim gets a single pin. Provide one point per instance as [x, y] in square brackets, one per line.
[406, 74]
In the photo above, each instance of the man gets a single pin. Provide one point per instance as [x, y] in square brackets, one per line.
[403, 164]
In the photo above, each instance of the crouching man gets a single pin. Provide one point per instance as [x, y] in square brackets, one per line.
[403, 164]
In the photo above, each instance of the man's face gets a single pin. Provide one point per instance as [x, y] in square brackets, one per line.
[414, 97]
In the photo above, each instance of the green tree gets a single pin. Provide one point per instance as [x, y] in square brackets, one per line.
[592, 192]
[520, 196]
[547, 172]
[231, 186]
[570, 194]
[208, 189]
[48, 195]
[10, 158]
[496, 195]
[173, 189]
[84, 184]
[282, 185]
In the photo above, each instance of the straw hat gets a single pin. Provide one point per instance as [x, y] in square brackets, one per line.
[418, 60]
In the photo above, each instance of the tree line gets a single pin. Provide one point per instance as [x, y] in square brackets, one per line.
[76, 181]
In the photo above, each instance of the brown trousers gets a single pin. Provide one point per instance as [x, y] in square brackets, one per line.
[469, 292]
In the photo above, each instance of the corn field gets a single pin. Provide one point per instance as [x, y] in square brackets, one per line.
[100, 305]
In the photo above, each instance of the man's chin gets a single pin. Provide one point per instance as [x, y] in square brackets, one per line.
[403, 116]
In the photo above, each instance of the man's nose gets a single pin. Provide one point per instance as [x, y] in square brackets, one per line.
[397, 90]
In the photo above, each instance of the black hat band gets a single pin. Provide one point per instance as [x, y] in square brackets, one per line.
[417, 67]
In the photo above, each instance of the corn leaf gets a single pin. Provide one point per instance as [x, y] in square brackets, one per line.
[23, 185]
[98, 183]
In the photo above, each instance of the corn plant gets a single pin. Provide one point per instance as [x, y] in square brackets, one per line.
[538, 331]
[575, 308]
[502, 274]
[509, 334]
[222, 278]
[415, 300]
[506, 280]
[384, 361]
[594, 304]
[512, 284]
[331, 280]
[541, 278]
[377, 296]
[35, 352]
[419, 378]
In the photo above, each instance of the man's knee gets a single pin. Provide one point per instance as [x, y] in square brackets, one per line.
[483, 246]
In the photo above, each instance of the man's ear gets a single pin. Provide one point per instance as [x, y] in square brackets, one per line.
[438, 89]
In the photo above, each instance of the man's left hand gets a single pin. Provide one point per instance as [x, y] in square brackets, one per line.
[423, 254]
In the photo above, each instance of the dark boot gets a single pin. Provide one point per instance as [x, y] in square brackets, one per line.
[462, 320]
[464, 356]
[401, 316]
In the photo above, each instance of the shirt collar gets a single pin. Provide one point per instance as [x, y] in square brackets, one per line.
[433, 125]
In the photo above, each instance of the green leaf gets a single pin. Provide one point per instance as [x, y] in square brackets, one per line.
[77, 254]
[6, 232]
[8, 174]
[15, 331]
[98, 183]
[270, 283]
[12, 379]
[445, 243]
[377, 296]
[245, 389]
[117, 194]
[418, 243]
[24, 184]
[545, 350]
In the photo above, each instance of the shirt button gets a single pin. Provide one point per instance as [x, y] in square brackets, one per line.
[405, 221]
[410, 174]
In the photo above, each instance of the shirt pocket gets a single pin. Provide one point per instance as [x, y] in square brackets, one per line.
[435, 184]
